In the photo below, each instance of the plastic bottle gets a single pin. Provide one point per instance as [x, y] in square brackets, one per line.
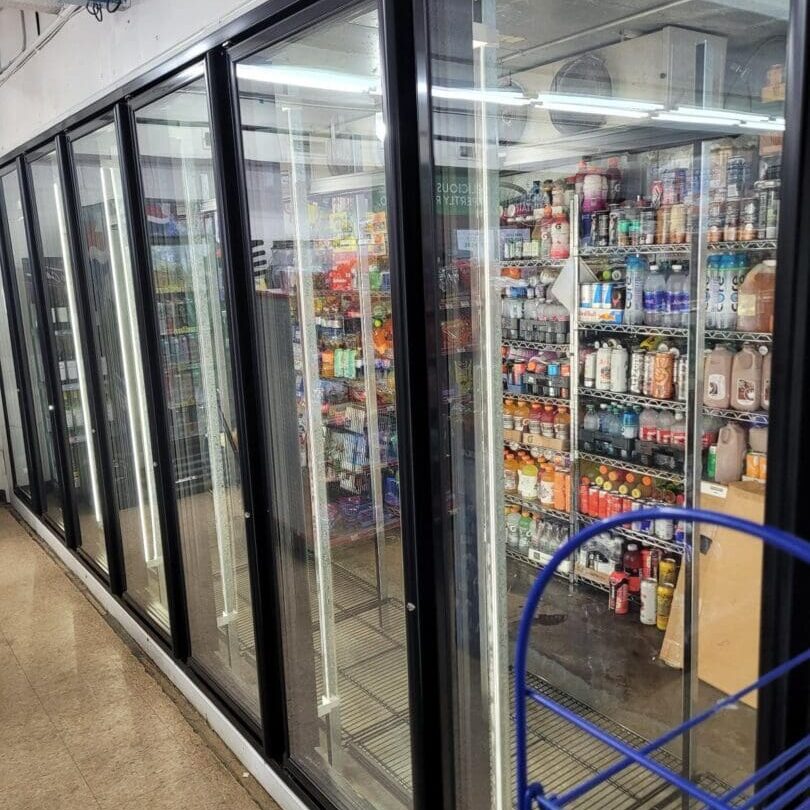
[512, 524]
[717, 377]
[614, 181]
[678, 434]
[614, 422]
[591, 420]
[631, 562]
[527, 481]
[756, 299]
[510, 473]
[648, 425]
[547, 485]
[730, 454]
[635, 271]
[726, 317]
[677, 306]
[664, 423]
[630, 423]
[746, 379]
[765, 396]
[712, 291]
[562, 423]
[525, 532]
[603, 418]
[547, 421]
[654, 297]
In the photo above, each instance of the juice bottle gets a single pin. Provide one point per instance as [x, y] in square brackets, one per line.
[527, 481]
[522, 413]
[509, 415]
[535, 423]
[510, 473]
[560, 488]
[547, 485]
[547, 421]
[631, 562]
[562, 423]
[756, 299]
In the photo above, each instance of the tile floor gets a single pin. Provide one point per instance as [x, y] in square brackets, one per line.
[83, 723]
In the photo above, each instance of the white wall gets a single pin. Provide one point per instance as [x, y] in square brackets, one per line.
[86, 59]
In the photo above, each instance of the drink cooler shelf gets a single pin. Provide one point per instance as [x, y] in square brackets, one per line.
[730, 334]
[513, 554]
[755, 417]
[544, 451]
[753, 244]
[531, 344]
[536, 262]
[633, 329]
[634, 250]
[637, 537]
[536, 398]
[634, 399]
[537, 508]
[653, 472]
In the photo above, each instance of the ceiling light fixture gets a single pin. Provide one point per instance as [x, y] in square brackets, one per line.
[310, 78]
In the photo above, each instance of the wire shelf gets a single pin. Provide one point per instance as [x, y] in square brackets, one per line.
[730, 334]
[538, 508]
[634, 329]
[544, 451]
[653, 472]
[536, 398]
[634, 250]
[536, 262]
[638, 537]
[541, 347]
[753, 244]
[633, 399]
[753, 417]
[512, 554]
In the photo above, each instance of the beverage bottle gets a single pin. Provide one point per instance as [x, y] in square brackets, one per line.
[562, 423]
[512, 524]
[547, 485]
[677, 306]
[717, 377]
[510, 473]
[746, 379]
[741, 268]
[712, 291]
[631, 562]
[527, 481]
[765, 396]
[525, 532]
[614, 422]
[634, 290]
[678, 435]
[614, 181]
[618, 370]
[654, 297]
[604, 355]
[664, 427]
[547, 421]
[603, 418]
[630, 423]
[648, 425]
[591, 420]
[588, 359]
[756, 299]
[726, 315]
[618, 587]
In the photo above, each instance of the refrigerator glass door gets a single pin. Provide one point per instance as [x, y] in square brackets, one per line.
[59, 280]
[102, 218]
[313, 136]
[177, 178]
[607, 201]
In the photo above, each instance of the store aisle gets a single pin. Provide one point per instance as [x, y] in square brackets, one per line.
[83, 724]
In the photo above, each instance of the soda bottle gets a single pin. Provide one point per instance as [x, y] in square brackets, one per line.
[634, 290]
[648, 425]
[712, 291]
[591, 420]
[630, 423]
[664, 427]
[678, 436]
[654, 297]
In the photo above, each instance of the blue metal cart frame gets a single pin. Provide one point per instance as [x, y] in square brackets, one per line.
[777, 784]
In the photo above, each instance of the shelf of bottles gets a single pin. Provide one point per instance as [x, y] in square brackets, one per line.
[632, 329]
[633, 399]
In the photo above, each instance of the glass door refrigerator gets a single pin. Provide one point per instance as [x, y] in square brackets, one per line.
[607, 204]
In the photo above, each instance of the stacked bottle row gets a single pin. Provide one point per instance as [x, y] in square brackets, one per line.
[532, 536]
[655, 294]
[536, 419]
[547, 482]
[650, 367]
[738, 297]
[545, 374]
[529, 310]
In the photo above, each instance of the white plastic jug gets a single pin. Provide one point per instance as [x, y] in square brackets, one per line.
[765, 397]
[717, 377]
[731, 447]
[746, 379]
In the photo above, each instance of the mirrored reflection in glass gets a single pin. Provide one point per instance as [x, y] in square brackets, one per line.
[112, 299]
[188, 280]
[11, 398]
[32, 339]
[60, 294]
[314, 133]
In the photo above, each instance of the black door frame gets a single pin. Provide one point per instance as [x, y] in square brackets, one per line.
[24, 393]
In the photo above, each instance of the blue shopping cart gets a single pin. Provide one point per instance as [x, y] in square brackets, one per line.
[783, 782]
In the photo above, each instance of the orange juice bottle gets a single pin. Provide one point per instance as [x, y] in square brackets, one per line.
[547, 485]
[509, 415]
[562, 423]
[560, 489]
[522, 412]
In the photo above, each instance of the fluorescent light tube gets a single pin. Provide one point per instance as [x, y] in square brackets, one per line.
[589, 109]
[311, 78]
[550, 99]
[777, 125]
[732, 115]
[493, 95]
[682, 118]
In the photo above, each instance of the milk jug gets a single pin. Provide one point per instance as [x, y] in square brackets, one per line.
[766, 381]
[717, 377]
[746, 379]
[756, 298]
[731, 446]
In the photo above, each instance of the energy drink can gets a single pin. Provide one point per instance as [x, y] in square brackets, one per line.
[647, 226]
[664, 529]
[749, 218]
[646, 525]
[586, 294]
[596, 298]
[637, 371]
[664, 594]
[649, 373]
[668, 571]
[649, 601]
[717, 220]
[606, 299]
[682, 378]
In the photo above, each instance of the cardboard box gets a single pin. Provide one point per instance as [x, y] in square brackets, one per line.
[550, 443]
[594, 315]
[512, 437]
[729, 605]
